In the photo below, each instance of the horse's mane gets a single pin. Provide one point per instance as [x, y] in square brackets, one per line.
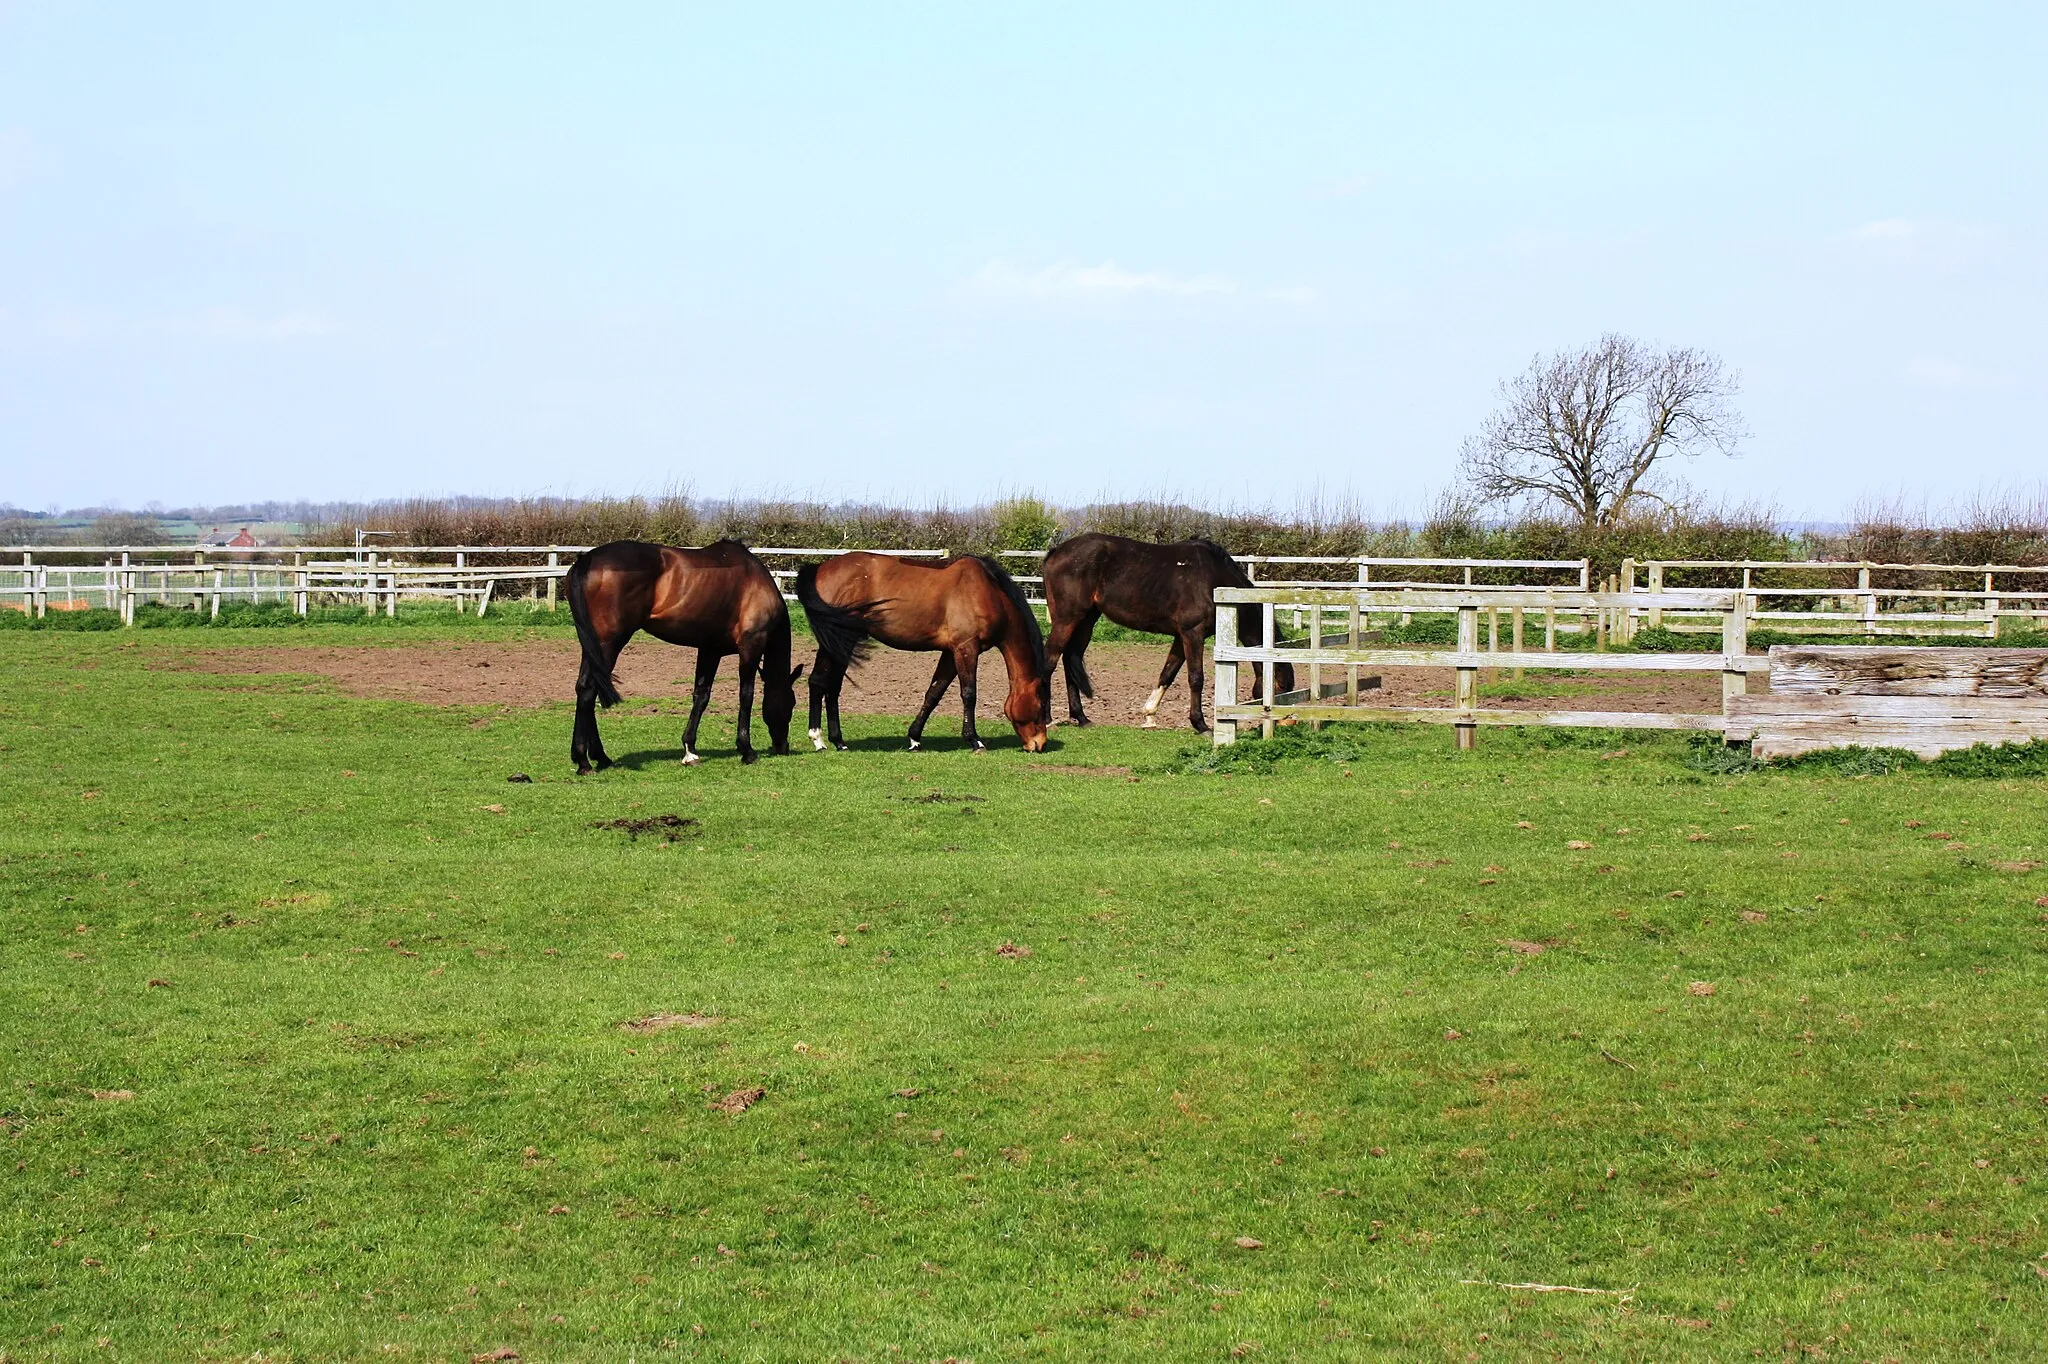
[1016, 595]
[1232, 571]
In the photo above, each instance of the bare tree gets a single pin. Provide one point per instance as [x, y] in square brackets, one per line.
[1587, 429]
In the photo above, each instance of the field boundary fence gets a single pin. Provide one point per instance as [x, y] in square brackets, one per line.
[1867, 599]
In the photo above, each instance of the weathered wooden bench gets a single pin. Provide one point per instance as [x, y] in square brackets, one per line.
[1926, 701]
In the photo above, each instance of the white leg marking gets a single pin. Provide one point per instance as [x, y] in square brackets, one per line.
[914, 745]
[818, 740]
[690, 759]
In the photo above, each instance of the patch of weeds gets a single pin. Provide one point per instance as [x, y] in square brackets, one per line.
[1853, 761]
[97, 618]
[1254, 755]
[670, 827]
[1659, 639]
[1710, 753]
[1994, 760]
[1422, 630]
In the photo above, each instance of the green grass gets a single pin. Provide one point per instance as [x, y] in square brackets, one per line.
[371, 1028]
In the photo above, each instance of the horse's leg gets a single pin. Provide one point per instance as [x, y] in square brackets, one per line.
[824, 682]
[586, 748]
[584, 732]
[832, 731]
[968, 665]
[942, 678]
[1190, 645]
[1174, 657]
[700, 697]
[750, 665]
[1071, 656]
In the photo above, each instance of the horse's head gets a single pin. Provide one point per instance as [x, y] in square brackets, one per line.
[1027, 709]
[778, 703]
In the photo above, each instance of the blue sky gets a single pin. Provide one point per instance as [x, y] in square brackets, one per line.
[1238, 254]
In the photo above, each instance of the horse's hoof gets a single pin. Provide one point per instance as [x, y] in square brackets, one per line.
[750, 756]
[817, 741]
[690, 759]
[582, 769]
[980, 747]
[915, 745]
[843, 748]
[1150, 722]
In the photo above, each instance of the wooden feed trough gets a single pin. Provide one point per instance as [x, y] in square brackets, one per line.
[1927, 701]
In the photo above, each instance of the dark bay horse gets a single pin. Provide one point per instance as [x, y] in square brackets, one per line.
[962, 608]
[1164, 589]
[718, 600]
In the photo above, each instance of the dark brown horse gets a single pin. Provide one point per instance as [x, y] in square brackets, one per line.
[1165, 589]
[962, 608]
[718, 600]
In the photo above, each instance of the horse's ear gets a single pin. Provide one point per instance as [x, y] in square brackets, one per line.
[795, 673]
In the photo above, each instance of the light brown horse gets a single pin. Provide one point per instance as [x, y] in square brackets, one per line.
[962, 608]
[718, 600]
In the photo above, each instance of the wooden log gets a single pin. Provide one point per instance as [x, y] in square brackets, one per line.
[1875, 670]
[1468, 678]
[1225, 689]
[1781, 726]
[1450, 715]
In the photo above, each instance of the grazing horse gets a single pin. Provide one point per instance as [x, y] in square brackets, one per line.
[1165, 589]
[719, 600]
[962, 608]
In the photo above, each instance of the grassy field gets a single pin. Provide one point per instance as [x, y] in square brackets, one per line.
[313, 1043]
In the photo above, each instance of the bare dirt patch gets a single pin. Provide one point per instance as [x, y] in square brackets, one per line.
[656, 678]
[655, 1023]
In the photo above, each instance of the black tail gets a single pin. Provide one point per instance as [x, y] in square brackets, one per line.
[1079, 663]
[586, 634]
[840, 633]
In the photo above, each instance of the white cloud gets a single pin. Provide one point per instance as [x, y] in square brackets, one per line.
[1107, 280]
[1065, 280]
[1922, 241]
[227, 326]
[231, 324]
[1950, 376]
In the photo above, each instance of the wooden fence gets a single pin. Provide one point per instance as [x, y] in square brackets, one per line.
[1856, 599]
[1354, 611]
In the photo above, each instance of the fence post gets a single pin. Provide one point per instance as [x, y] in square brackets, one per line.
[1626, 623]
[368, 563]
[127, 591]
[302, 583]
[1357, 642]
[1493, 635]
[1315, 670]
[1515, 638]
[1549, 623]
[1265, 666]
[1866, 602]
[1224, 731]
[1656, 590]
[1468, 677]
[554, 562]
[1734, 647]
[1990, 606]
[213, 611]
